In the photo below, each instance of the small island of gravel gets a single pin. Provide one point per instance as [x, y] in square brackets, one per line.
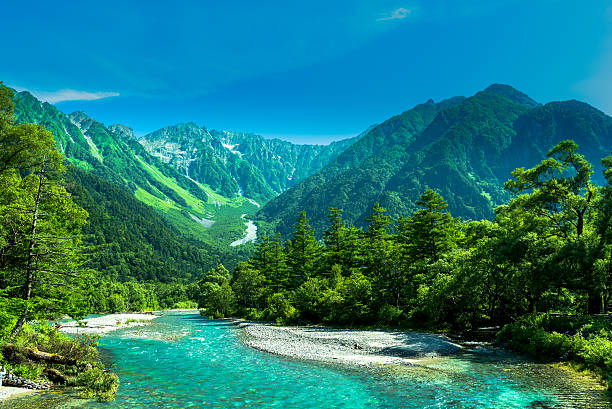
[350, 347]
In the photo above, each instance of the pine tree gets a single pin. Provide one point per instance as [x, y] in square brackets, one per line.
[303, 253]
[40, 226]
[431, 231]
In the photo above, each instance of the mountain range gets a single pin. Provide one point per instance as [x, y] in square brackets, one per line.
[188, 189]
[179, 195]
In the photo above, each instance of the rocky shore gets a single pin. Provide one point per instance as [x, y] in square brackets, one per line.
[106, 323]
[350, 347]
[13, 385]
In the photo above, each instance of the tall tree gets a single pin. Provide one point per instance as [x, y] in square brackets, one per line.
[40, 249]
[558, 194]
[432, 231]
[303, 253]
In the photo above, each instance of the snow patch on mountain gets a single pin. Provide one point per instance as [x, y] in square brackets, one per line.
[231, 147]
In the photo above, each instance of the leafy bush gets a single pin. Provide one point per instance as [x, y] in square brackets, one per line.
[280, 309]
[97, 383]
[595, 351]
[583, 339]
[535, 341]
[44, 337]
[7, 322]
[28, 371]
[253, 314]
[389, 315]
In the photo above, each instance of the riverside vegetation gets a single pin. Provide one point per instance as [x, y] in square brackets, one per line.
[44, 270]
[548, 250]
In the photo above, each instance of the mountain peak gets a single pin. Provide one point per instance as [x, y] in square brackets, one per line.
[511, 93]
[123, 131]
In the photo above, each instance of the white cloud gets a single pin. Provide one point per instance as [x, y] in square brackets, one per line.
[62, 95]
[397, 14]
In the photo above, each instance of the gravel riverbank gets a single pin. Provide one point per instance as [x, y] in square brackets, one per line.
[106, 323]
[7, 392]
[351, 347]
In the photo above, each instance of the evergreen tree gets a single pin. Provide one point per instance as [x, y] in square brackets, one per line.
[278, 273]
[40, 248]
[303, 253]
[248, 284]
[431, 231]
[558, 196]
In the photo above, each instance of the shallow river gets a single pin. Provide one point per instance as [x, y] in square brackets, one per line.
[182, 360]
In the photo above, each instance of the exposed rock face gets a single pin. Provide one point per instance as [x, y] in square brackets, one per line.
[123, 131]
[235, 163]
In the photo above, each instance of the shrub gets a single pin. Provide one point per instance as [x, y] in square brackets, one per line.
[253, 314]
[28, 371]
[280, 309]
[97, 383]
[536, 342]
[7, 322]
[389, 315]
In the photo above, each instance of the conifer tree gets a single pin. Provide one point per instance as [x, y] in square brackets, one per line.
[431, 231]
[40, 225]
[303, 253]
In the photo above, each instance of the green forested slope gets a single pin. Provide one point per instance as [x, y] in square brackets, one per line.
[113, 155]
[465, 149]
[360, 172]
[129, 240]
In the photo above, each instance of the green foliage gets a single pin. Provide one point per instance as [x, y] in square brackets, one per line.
[7, 323]
[536, 342]
[216, 295]
[97, 383]
[280, 309]
[27, 371]
[41, 258]
[583, 339]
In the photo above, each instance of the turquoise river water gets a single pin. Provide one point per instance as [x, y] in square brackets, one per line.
[182, 360]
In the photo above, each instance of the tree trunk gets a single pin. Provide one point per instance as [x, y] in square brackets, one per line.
[595, 302]
[17, 354]
[31, 256]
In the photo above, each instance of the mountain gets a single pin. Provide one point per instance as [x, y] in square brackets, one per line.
[235, 164]
[465, 148]
[128, 240]
[114, 155]
[175, 202]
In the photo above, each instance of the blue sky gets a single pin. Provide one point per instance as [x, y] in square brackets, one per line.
[304, 71]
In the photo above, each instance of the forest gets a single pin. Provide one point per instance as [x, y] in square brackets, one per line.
[541, 270]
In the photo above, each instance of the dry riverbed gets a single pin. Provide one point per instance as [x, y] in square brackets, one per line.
[351, 347]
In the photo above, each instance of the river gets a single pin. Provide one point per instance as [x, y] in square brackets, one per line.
[182, 360]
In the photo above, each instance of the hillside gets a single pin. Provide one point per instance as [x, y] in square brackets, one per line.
[465, 148]
[200, 187]
[128, 240]
[235, 164]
